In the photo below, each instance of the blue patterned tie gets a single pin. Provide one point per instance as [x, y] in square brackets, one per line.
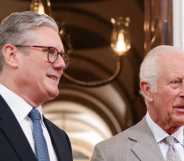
[40, 143]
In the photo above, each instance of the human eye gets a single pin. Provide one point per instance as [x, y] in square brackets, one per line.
[51, 50]
[176, 83]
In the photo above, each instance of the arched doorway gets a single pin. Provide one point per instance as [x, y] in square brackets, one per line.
[87, 117]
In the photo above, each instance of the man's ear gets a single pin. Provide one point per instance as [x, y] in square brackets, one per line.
[146, 90]
[9, 52]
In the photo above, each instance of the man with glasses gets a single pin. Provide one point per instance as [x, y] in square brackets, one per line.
[32, 61]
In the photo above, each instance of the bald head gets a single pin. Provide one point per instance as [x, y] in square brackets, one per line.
[162, 85]
[150, 67]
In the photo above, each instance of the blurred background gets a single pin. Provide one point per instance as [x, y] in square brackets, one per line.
[106, 41]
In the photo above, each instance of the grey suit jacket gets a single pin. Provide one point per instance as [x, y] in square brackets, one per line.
[134, 144]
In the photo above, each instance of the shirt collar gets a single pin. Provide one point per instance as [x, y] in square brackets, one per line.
[159, 134]
[179, 135]
[17, 104]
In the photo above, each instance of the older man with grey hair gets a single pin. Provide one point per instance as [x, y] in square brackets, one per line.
[32, 61]
[159, 135]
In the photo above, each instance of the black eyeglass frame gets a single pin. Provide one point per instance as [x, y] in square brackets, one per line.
[49, 54]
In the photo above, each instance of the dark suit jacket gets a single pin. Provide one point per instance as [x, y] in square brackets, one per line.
[134, 144]
[14, 145]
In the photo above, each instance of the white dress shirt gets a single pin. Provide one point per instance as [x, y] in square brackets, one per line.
[21, 109]
[159, 134]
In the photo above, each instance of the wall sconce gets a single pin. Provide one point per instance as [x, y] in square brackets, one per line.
[41, 6]
[120, 43]
[120, 39]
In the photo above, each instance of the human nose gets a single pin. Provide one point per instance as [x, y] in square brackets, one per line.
[182, 90]
[181, 95]
[182, 86]
[60, 63]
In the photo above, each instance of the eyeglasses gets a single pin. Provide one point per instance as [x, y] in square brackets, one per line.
[52, 53]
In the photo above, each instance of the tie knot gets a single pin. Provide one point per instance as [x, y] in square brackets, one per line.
[34, 114]
[171, 140]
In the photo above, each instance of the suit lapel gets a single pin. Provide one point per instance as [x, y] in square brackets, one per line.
[59, 142]
[14, 134]
[145, 146]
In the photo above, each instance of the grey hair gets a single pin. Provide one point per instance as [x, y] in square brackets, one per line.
[149, 69]
[13, 28]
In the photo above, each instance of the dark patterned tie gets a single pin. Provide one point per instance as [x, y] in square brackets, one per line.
[172, 154]
[40, 143]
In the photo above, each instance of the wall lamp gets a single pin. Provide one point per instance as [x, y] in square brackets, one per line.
[120, 42]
